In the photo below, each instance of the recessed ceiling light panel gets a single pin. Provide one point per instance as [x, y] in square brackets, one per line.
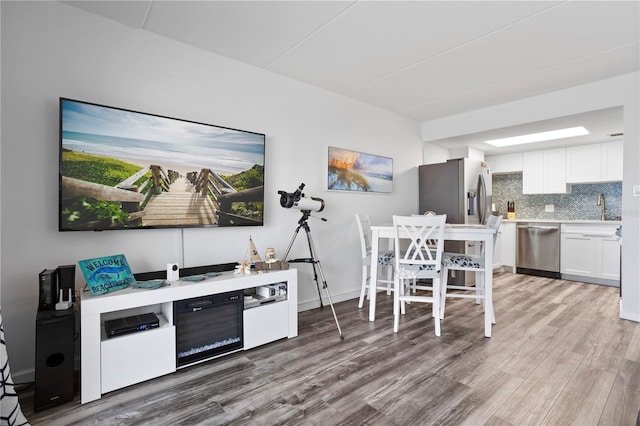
[539, 137]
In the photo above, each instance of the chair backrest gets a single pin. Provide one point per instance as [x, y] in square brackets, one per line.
[425, 236]
[494, 222]
[427, 213]
[364, 227]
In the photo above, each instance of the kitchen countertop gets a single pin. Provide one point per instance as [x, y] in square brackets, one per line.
[587, 221]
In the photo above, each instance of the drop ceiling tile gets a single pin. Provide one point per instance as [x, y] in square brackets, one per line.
[376, 38]
[423, 59]
[132, 13]
[254, 32]
[607, 65]
[535, 44]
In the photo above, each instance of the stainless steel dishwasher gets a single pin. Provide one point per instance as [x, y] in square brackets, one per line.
[538, 249]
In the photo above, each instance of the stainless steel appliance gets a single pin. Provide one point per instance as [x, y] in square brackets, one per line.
[461, 189]
[538, 249]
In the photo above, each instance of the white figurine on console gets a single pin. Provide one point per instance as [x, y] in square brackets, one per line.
[243, 268]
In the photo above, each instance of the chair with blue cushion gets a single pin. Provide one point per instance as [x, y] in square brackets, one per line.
[419, 244]
[385, 260]
[470, 263]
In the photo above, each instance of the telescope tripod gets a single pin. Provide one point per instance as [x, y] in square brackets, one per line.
[315, 263]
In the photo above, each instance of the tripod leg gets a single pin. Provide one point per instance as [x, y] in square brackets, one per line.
[315, 277]
[293, 238]
[324, 281]
[310, 260]
[313, 265]
[326, 288]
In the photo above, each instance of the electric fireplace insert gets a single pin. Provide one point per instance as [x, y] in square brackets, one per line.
[208, 326]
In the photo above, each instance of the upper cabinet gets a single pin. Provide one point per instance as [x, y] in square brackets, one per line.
[555, 171]
[544, 172]
[612, 161]
[532, 172]
[505, 163]
[599, 162]
[552, 171]
[584, 164]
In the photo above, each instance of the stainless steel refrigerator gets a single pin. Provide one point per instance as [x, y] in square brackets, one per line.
[461, 188]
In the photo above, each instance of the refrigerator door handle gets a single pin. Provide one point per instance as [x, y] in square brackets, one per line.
[482, 199]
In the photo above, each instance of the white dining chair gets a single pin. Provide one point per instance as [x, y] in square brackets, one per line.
[385, 261]
[423, 237]
[470, 263]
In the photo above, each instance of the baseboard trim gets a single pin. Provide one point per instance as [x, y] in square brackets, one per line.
[591, 280]
[312, 304]
[627, 315]
[23, 376]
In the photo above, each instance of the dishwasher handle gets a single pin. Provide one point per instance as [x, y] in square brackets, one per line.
[537, 227]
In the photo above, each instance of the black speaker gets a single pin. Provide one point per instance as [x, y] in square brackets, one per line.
[67, 281]
[48, 289]
[55, 335]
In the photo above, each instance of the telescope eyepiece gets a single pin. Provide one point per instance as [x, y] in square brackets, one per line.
[297, 200]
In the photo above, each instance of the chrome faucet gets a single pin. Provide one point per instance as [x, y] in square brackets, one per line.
[602, 203]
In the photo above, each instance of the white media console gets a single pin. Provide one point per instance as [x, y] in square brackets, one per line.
[110, 364]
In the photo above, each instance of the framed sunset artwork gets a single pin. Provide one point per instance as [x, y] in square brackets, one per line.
[349, 170]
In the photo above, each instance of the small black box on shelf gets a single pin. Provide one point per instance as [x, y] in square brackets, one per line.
[67, 281]
[48, 288]
[121, 326]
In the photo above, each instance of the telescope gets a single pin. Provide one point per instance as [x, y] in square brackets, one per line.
[297, 200]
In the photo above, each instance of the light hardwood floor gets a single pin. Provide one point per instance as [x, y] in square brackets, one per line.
[559, 355]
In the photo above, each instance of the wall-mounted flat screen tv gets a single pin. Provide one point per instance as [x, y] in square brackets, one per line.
[122, 169]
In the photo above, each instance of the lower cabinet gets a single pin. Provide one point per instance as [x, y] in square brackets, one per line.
[134, 358]
[265, 324]
[504, 255]
[590, 253]
[610, 259]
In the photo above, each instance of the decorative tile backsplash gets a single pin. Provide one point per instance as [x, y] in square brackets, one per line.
[580, 204]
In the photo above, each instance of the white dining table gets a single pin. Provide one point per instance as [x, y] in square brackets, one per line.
[476, 233]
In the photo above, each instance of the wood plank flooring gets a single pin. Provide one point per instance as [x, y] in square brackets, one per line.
[559, 355]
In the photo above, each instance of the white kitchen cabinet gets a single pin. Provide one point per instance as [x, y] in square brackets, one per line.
[532, 172]
[544, 172]
[612, 161]
[578, 254]
[504, 254]
[590, 253]
[555, 175]
[599, 162]
[584, 163]
[505, 163]
[508, 246]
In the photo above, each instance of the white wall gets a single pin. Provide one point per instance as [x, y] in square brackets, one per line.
[623, 90]
[432, 154]
[50, 50]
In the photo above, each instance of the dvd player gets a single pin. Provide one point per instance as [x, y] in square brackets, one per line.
[120, 326]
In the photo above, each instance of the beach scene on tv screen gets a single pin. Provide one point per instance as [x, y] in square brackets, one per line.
[124, 169]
